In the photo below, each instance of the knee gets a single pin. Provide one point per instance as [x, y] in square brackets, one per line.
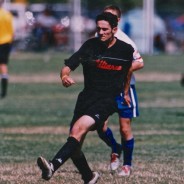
[125, 131]
[77, 133]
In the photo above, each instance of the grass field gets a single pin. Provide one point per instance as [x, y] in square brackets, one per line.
[35, 117]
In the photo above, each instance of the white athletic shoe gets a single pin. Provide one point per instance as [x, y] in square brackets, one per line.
[46, 168]
[125, 170]
[115, 162]
[95, 178]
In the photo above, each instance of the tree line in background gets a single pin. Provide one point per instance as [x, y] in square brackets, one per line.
[162, 6]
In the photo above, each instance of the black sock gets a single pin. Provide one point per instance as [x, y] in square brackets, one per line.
[104, 137]
[80, 162]
[4, 86]
[65, 152]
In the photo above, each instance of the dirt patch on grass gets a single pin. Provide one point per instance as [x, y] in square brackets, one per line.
[55, 78]
[157, 77]
[64, 130]
[165, 103]
[36, 130]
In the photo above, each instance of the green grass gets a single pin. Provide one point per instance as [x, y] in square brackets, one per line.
[28, 63]
[35, 117]
[164, 63]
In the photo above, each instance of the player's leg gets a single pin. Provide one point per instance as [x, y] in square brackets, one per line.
[99, 113]
[4, 79]
[127, 140]
[127, 137]
[4, 57]
[78, 157]
[48, 168]
[70, 148]
[81, 164]
[106, 135]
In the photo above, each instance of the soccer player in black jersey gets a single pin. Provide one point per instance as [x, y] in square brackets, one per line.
[106, 65]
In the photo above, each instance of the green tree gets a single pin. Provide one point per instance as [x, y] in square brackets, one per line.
[99, 4]
[169, 7]
[162, 6]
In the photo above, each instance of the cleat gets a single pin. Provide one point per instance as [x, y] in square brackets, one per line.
[95, 178]
[125, 171]
[46, 168]
[115, 162]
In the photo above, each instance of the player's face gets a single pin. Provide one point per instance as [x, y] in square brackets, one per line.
[104, 31]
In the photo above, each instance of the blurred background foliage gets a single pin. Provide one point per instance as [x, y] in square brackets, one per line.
[161, 5]
[168, 23]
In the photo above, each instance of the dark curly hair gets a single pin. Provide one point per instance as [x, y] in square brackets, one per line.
[109, 17]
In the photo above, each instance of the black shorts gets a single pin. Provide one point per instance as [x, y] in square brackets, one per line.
[4, 53]
[95, 105]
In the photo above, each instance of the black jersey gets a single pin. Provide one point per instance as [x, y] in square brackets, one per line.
[104, 68]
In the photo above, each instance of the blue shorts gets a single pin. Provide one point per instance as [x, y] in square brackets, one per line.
[124, 110]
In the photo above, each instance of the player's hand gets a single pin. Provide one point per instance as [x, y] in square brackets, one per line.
[127, 99]
[67, 81]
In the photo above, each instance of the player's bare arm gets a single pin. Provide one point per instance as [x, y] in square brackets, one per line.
[65, 77]
[127, 86]
[137, 65]
[138, 62]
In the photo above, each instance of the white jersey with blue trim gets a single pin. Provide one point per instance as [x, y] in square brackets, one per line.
[137, 57]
